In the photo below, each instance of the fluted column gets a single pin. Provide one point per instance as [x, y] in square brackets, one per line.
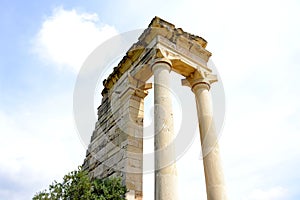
[165, 167]
[214, 178]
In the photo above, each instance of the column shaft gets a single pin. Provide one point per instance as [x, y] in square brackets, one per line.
[214, 178]
[165, 168]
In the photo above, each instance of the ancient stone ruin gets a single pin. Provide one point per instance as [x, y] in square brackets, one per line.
[116, 147]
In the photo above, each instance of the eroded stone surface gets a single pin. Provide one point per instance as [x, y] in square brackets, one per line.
[116, 147]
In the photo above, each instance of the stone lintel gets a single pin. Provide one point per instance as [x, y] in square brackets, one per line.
[183, 61]
[183, 42]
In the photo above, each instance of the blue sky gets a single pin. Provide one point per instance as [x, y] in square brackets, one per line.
[255, 46]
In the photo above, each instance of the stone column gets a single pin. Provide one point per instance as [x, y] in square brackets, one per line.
[165, 167]
[214, 178]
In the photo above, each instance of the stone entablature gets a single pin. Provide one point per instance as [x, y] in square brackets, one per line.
[165, 33]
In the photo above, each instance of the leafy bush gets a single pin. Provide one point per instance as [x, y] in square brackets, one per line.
[76, 185]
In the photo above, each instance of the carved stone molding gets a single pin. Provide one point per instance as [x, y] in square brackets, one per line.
[199, 78]
[186, 51]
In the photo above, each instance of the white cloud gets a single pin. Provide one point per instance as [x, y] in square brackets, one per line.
[67, 37]
[275, 193]
[251, 46]
[38, 145]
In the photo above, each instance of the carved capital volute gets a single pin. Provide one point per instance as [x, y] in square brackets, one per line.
[157, 61]
[199, 80]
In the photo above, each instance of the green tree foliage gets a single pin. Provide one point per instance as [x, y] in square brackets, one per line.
[76, 185]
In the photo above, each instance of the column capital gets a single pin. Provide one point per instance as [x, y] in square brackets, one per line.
[157, 61]
[199, 79]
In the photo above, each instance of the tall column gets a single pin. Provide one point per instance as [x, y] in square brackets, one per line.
[214, 178]
[165, 167]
